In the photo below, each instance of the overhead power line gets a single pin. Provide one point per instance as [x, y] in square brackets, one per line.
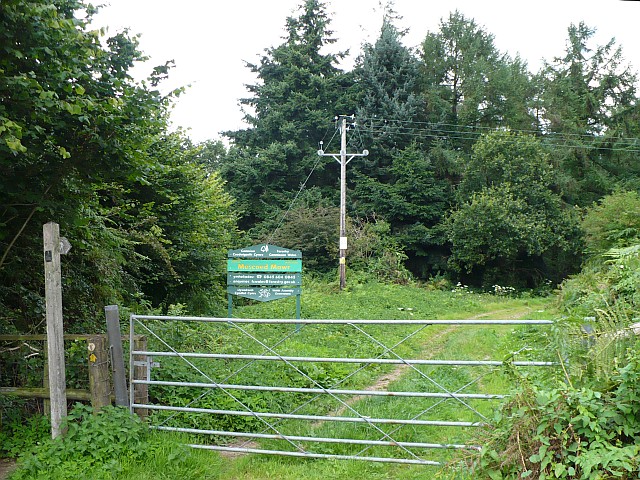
[469, 128]
[424, 130]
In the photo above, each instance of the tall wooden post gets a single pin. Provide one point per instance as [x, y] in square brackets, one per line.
[55, 339]
[342, 159]
[342, 267]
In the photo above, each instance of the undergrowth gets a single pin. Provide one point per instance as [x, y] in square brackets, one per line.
[109, 444]
[568, 431]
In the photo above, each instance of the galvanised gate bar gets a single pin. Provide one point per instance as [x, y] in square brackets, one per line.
[314, 406]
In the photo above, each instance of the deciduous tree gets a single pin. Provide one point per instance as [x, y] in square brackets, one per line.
[510, 224]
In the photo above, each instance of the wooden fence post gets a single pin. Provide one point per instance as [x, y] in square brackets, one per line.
[117, 356]
[55, 340]
[99, 384]
[140, 392]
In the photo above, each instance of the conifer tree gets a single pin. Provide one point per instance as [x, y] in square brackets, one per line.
[299, 90]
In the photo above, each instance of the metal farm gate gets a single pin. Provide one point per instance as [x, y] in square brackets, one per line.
[243, 385]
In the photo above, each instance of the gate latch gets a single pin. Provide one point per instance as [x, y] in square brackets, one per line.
[148, 364]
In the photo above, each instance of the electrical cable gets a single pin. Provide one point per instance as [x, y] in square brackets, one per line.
[468, 132]
[423, 130]
[630, 146]
[295, 198]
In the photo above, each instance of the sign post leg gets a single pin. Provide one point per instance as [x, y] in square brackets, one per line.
[229, 306]
[298, 326]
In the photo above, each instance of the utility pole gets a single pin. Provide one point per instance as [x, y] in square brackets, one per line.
[342, 159]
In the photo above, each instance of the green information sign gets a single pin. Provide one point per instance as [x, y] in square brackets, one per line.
[263, 294]
[263, 273]
[260, 279]
[270, 266]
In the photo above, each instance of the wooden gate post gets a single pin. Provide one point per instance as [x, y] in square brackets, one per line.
[117, 357]
[99, 384]
[140, 370]
[55, 339]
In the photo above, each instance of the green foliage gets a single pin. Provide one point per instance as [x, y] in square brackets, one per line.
[19, 434]
[609, 282]
[373, 249]
[79, 116]
[503, 157]
[92, 442]
[188, 212]
[376, 253]
[387, 82]
[512, 223]
[568, 432]
[81, 143]
[312, 230]
[586, 90]
[468, 82]
[112, 444]
[614, 222]
[588, 96]
[412, 199]
[300, 88]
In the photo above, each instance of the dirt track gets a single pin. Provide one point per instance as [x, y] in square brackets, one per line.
[6, 467]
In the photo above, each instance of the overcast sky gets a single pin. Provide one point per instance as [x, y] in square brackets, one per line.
[210, 40]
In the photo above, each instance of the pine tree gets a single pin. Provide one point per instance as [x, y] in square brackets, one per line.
[389, 100]
[589, 106]
[299, 90]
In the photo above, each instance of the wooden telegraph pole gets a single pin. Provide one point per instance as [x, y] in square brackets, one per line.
[55, 339]
[342, 159]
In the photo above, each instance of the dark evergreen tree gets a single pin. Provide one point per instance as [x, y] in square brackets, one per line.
[299, 90]
[389, 100]
[470, 85]
[413, 201]
[590, 109]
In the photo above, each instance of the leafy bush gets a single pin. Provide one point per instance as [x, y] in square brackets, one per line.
[114, 444]
[608, 282]
[568, 432]
[510, 226]
[612, 223]
[374, 250]
[312, 226]
[18, 433]
[93, 442]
